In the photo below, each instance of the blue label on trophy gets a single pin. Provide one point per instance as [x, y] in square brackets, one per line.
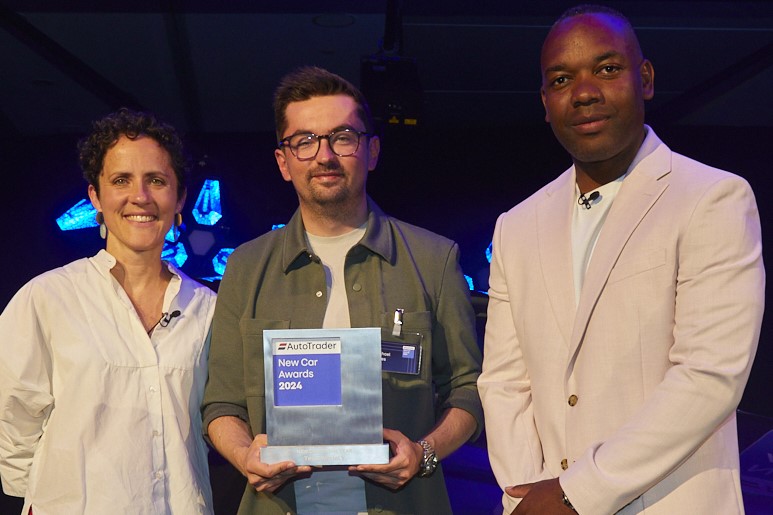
[307, 372]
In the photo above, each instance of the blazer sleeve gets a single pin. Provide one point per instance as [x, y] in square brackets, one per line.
[514, 448]
[720, 284]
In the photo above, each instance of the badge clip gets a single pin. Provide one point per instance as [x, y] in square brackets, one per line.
[397, 328]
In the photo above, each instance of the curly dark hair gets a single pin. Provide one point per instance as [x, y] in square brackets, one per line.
[132, 124]
[311, 81]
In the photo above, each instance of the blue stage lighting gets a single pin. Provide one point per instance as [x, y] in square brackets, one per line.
[175, 254]
[469, 281]
[207, 210]
[489, 250]
[219, 261]
[277, 226]
[79, 216]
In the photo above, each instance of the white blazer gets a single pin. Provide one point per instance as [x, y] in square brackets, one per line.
[630, 395]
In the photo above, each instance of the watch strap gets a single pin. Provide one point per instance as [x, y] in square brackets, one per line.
[567, 502]
[429, 459]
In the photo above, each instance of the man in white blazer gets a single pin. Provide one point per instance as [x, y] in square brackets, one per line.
[625, 305]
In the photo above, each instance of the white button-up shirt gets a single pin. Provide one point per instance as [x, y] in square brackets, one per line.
[96, 416]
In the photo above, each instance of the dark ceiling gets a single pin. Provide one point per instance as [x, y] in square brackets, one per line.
[210, 67]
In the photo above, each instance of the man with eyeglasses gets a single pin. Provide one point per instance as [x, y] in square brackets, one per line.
[341, 262]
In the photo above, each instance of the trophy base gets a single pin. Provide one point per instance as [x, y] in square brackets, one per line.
[318, 455]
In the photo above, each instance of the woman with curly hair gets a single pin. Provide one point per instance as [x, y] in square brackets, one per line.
[103, 361]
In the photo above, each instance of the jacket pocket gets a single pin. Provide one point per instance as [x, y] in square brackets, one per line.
[251, 330]
[637, 265]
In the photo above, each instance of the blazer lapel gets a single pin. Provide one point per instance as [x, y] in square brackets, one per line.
[639, 192]
[554, 228]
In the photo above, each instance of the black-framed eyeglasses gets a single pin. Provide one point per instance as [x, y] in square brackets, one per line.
[343, 143]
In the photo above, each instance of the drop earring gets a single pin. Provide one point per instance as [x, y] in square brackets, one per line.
[178, 222]
[100, 218]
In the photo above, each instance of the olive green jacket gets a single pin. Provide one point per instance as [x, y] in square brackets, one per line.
[274, 282]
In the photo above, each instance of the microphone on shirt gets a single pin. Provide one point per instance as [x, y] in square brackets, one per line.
[586, 201]
[167, 317]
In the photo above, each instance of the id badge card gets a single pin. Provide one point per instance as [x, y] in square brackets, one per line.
[401, 355]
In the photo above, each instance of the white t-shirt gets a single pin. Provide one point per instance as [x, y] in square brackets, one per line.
[333, 491]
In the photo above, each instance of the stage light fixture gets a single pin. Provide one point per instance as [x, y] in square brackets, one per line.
[220, 260]
[208, 210]
[391, 85]
[79, 216]
[175, 253]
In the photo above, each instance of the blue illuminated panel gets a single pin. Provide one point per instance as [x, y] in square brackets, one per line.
[207, 210]
[277, 226]
[469, 281]
[489, 251]
[79, 216]
[219, 261]
[175, 254]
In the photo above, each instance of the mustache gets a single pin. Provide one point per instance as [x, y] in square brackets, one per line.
[325, 169]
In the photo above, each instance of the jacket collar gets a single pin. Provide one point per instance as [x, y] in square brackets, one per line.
[104, 262]
[377, 239]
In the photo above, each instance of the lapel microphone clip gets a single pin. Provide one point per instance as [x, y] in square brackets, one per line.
[586, 201]
[165, 319]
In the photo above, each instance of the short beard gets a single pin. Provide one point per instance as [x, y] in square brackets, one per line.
[335, 204]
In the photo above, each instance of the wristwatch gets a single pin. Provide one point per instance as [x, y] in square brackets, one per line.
[428, 460]
[567, 502]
